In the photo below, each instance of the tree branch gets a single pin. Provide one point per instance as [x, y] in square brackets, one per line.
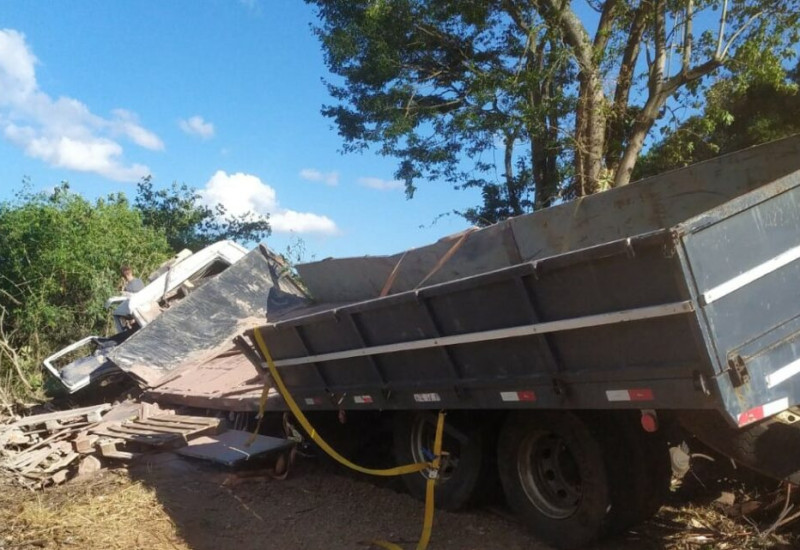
[657, 70]
[629, 56]
[604, 26]
[575, 34]
[721, 35]
[738, 33]
[687, 36]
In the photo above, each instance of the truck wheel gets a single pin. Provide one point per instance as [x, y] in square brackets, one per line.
[554, 477]
[768, 447]
[659, 472]
[638, 468]
[460, 479]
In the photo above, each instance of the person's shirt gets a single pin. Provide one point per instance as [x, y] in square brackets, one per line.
[134, 285]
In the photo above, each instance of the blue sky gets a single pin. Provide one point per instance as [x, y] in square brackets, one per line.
[223, 95]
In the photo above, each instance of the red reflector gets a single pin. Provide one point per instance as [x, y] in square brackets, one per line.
[649, 422]
[751, 416]
[526, 396]
[641, 394]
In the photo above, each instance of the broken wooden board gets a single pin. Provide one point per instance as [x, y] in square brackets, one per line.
[90, 414]
[166, 431]
[231, 448]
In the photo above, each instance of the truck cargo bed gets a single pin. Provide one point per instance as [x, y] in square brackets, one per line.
[698, 314]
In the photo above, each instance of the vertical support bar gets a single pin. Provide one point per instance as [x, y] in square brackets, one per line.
[437, 331]
[373, 361]
[308, 353]
[543, 340]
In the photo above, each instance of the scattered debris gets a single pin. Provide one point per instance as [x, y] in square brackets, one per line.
[166, 431]
[48, 449]
[38, 450]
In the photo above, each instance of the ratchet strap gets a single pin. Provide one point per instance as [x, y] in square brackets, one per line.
[433, 466]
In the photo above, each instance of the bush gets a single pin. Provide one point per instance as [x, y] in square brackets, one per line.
[60, 256]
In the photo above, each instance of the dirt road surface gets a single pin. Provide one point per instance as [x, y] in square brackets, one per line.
[168, 503]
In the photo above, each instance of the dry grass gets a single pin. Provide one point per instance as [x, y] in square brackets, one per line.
[693, 527]
[107, 512]
[115, 511]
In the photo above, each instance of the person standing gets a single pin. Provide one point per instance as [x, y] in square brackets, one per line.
[132, 284]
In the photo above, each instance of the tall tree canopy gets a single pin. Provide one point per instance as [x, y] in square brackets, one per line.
[529, 100]
[758, 106]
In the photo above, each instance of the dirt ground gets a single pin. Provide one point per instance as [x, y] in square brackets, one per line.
[168, 502]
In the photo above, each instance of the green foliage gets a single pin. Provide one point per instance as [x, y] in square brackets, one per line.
[533, 101]
[188, 223]
[740, 111]
[60, 256]
[442, 86]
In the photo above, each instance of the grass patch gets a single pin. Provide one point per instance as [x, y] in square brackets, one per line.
[107, 512]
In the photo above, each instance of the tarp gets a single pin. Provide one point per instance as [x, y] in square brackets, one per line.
[204, 323]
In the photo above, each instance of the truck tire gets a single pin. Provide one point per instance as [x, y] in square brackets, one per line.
[638, 467]
[461, 480]
[768, 447]
[554, 476]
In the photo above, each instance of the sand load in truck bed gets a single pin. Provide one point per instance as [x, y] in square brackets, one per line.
[651, 204]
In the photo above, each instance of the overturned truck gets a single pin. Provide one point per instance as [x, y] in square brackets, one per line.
[561, 343]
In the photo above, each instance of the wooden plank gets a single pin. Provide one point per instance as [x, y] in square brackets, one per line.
[84, 444]
[135, 427]
[155, 440]
[183, 419]
[184, 427]
[36, 459]
[22, 459]
[63, 463]
[181, 428]
[60, 415]
[138, 428]
[109, 450]
[133, 430]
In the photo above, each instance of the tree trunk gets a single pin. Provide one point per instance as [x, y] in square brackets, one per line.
[590, 134]
[512, 189]
[641, 128]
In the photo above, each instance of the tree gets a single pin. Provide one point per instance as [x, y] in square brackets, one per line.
[752, 108]
[60, 256]
[188, 223]
[443, 85]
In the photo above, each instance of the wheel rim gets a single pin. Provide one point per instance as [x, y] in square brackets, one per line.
[423, 433]
[549, 475]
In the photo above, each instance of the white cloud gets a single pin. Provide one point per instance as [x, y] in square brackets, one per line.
[328, 178]
[196, 126]
[241, 193]
[127, 124]
[63, 132]
[381, 184]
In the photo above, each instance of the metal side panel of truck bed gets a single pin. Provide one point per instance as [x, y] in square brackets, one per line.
[655, 203]
[741, 261]
[699, 315]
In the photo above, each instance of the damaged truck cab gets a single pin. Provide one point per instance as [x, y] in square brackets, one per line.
[171, 282]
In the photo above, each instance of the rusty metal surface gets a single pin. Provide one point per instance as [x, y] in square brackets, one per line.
[226, 382]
